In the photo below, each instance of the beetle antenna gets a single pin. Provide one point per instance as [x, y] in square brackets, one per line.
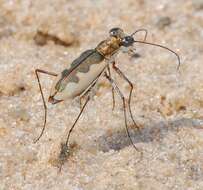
[164, 47]
[141, 30]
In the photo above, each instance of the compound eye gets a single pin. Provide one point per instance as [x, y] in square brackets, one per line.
[115, 32]
[127, 41]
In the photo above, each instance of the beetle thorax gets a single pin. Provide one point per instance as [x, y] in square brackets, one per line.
[109, 47]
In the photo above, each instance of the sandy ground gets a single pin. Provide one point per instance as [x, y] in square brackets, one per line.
[167, 104]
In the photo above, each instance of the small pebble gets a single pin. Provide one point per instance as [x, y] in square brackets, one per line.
[163, 22]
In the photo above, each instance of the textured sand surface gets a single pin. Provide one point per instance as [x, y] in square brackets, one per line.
[168, 105]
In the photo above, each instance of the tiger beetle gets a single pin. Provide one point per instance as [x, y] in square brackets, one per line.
[84, 72]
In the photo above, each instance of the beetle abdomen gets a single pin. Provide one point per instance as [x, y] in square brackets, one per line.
[82, 72]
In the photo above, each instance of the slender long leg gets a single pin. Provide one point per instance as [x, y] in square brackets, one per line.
[43, 99]
[71, 129]
[112, 82]
[64, 146]
[64, 153]
[130, 94]
[112, 89]
[83, 107]
[80, 102]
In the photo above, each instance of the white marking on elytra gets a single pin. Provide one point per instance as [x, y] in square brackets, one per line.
[73, 89]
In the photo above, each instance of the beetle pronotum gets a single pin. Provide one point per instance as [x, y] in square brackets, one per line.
[84, 72]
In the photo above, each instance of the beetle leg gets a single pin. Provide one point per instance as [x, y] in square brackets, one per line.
[80, 101]
[112, 89]
[130, 94]
[37, 71]
[71, 129]
[114, 85]
[83, 107]
[64, 146]
[64, 153]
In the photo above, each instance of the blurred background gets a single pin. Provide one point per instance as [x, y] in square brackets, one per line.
[167, 104]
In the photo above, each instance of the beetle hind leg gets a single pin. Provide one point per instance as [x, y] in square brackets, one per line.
[37, 71]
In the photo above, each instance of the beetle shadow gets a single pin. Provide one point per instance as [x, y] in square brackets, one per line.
[117, 140]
